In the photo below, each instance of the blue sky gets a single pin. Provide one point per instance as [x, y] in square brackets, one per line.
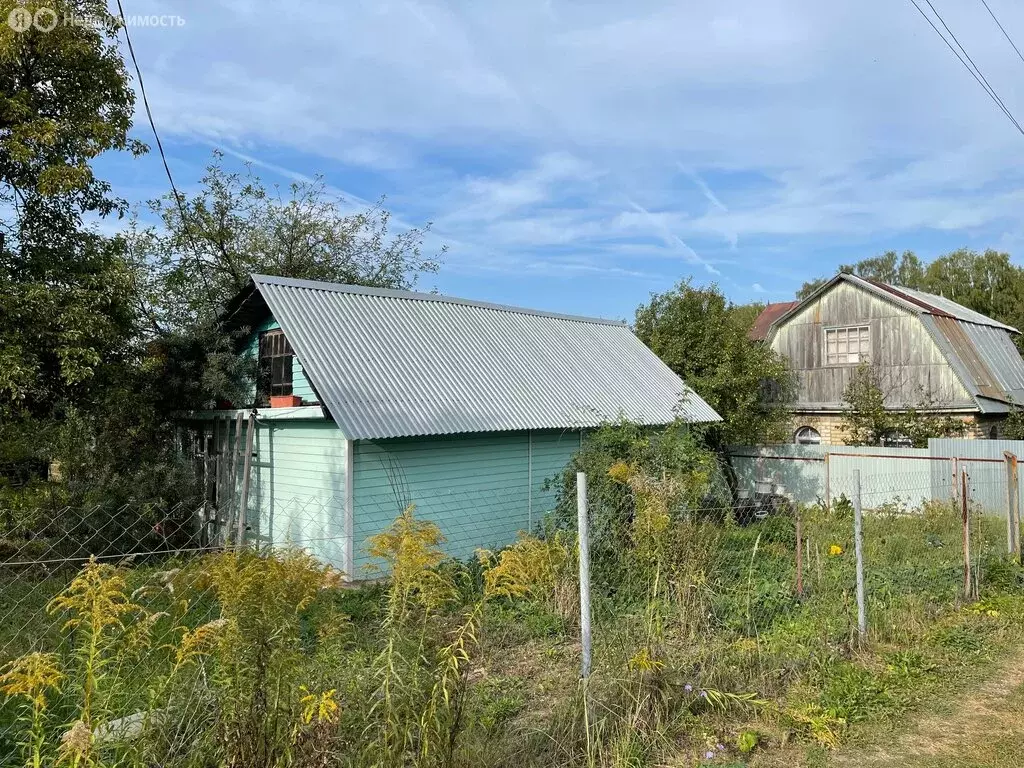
[576, 156]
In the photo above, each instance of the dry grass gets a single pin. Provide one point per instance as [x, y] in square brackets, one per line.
[983, 728]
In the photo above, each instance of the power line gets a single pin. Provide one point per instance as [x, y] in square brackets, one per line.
[163, 157]
[977, 69]
[964, 59]
[1003, 30]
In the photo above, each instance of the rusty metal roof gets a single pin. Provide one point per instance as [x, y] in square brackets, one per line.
[769, 315]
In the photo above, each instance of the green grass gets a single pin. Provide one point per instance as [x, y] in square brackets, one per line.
[716, 610]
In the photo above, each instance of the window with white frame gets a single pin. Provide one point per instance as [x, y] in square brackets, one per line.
[847, 346]
[807, 436]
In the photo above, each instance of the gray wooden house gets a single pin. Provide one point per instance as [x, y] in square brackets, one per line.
[926, 348]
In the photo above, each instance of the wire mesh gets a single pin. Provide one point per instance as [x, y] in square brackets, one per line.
[734, 565]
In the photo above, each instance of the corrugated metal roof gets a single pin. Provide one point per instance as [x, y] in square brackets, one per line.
[771, 312]
[996, 348]
[397, 364]
[943, 305]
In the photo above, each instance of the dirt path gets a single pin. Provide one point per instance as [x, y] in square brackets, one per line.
[985, 728]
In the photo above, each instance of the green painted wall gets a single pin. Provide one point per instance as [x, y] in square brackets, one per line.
[298, 487]
[481, 489]
[300, 384]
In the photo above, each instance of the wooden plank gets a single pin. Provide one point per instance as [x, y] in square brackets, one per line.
[243, 502]
[233, 471]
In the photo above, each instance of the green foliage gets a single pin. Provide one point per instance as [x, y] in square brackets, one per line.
[1013, 427]
[674, 455]
[65, 291]
[747, 741]
[704, 339]
[868, 420]
[236, 226]
[249, 659]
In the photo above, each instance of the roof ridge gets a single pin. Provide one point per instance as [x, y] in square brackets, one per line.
[922, 299]
[393, 293]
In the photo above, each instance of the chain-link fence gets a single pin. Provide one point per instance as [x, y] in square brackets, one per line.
[737, 567]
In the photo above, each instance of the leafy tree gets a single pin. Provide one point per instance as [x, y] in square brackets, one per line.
[867, 420]
[236, 226]
[68, 301]
[1013, 427]
[906, 270]
[65, 291]
[703, 338]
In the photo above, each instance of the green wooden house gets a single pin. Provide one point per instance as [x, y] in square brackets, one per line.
[370, 400]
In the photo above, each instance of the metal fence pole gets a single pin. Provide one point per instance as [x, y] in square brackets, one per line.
[799, 557]
[584, 556]
[828, 482]
[858, 545]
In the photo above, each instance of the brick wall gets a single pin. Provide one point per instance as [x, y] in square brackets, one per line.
[831, 427]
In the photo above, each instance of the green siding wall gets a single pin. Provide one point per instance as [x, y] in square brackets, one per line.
[481, 489]
[300, 384]
[298, 491]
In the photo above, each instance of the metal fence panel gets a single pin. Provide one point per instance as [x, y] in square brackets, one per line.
[821, 473]
[800, 469]
[985, 464]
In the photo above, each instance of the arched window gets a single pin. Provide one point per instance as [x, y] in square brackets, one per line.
[807, 436]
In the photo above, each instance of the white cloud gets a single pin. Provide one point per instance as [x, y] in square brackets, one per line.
[645, 134]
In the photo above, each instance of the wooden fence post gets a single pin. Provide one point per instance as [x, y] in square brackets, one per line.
[236, 450]
[967, 535]
[243, 501]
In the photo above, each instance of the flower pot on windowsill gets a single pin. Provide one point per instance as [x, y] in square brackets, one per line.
[285, 401]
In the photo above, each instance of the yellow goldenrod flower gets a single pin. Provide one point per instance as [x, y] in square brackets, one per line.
[31, 676]
[319, 707]
[620, 472]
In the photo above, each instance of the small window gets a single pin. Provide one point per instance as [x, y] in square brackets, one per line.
[896, 440]
[275, 369]
[807, 436]
[847, 346]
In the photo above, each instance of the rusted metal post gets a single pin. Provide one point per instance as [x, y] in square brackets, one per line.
[243, 501]
[1012, 505]
[967, 535]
